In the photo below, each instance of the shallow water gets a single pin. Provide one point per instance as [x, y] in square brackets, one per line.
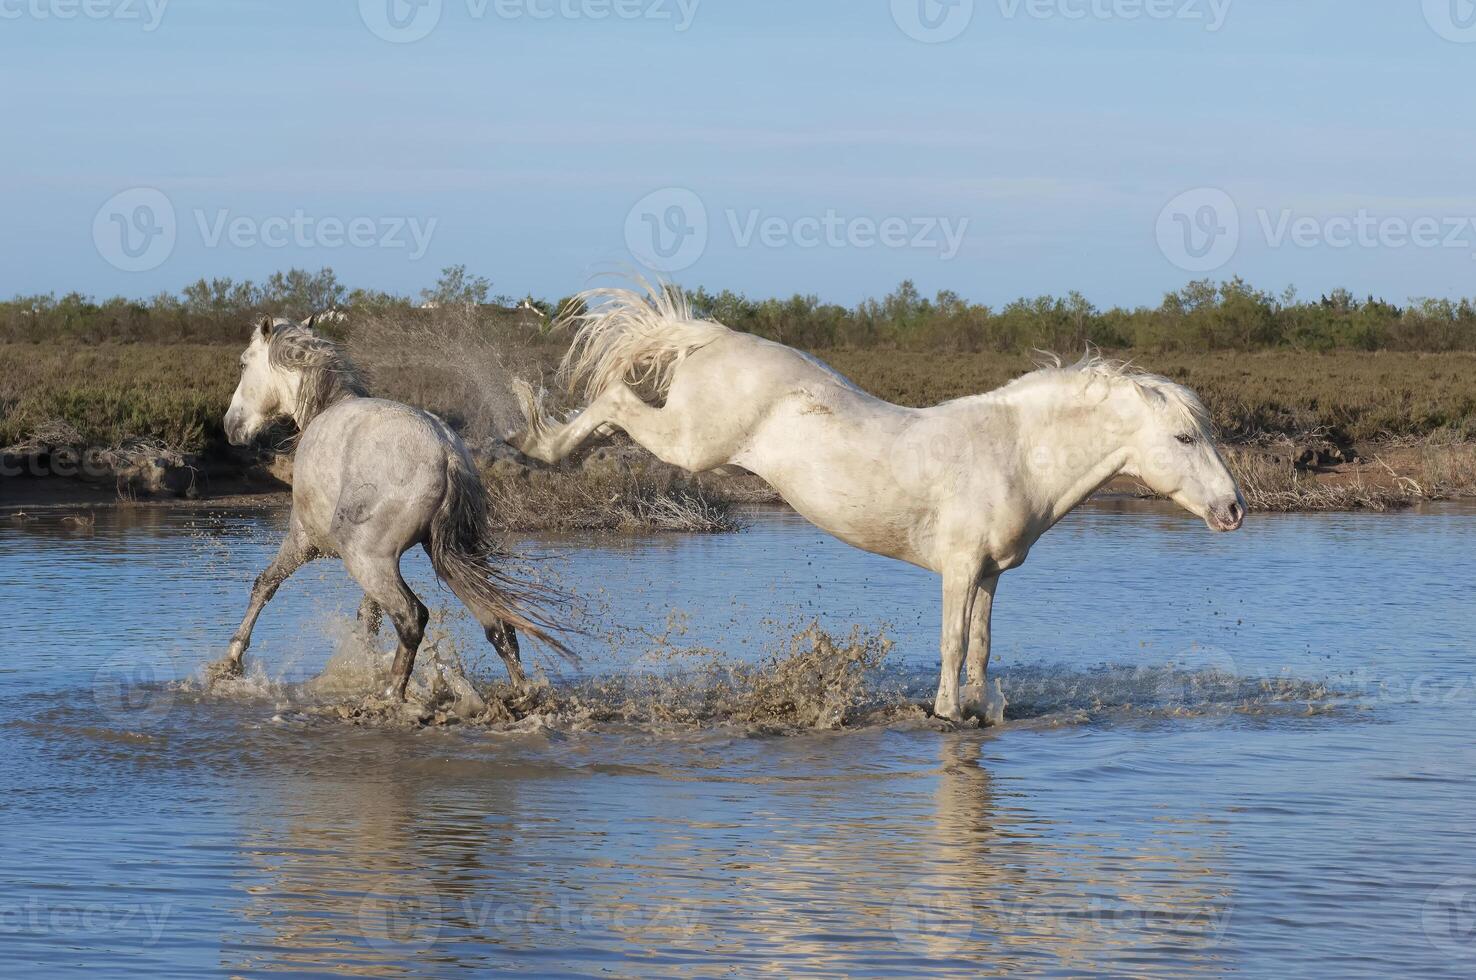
[1247, 753]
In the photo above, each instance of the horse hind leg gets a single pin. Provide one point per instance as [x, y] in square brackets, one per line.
[501, 634]
[979, 700]
[504, 639]
[667, 433]
[382, 583]
[674, 435]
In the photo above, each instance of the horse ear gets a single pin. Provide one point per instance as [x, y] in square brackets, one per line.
[266, 327]
[311, 321]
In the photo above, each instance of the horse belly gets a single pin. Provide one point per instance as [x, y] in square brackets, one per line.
[841, 484]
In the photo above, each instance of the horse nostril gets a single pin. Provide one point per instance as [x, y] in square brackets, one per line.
[1237, 513]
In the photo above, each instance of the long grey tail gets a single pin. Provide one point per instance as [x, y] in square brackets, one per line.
[464, 553]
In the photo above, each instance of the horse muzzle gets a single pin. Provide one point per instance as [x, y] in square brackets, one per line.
[236, 431]
[1226, 518]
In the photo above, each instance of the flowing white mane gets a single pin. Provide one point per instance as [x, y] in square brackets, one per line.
[637, 336]
[327, 375]
[1160, 393]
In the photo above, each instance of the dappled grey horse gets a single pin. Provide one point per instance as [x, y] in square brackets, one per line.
[372, 479]
[963, 489]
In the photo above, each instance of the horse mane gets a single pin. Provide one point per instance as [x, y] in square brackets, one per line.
[327, 375]
[1159, 392]
[637, 336]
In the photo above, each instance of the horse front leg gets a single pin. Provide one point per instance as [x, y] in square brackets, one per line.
[294, 553]
[958, 602]
[979, 702]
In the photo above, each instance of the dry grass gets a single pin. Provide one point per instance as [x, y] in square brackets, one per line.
[629, 501]
[1272, 483]
[1447, 471]
[110, 393]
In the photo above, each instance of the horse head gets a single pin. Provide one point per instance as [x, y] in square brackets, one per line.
[1170, 446]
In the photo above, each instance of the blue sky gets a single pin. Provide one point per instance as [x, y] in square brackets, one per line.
[825, 148]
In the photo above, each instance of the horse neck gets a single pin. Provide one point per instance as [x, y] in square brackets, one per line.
[1068, 448]
[314, 394]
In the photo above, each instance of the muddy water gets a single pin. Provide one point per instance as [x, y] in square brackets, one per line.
[1244, 754]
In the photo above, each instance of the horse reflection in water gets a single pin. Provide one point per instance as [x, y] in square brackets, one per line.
[372, 479]
[369, 852]
[963, 489]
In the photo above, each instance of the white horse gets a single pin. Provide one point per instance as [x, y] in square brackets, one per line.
[964, 488]
[370, 480]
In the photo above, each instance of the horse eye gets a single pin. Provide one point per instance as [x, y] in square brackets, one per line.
[1186, 440]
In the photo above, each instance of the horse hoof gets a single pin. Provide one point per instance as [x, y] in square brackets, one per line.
[986, 707]
[224, 670]
[946, 713]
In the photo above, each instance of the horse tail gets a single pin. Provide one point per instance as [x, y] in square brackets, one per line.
[465, 555]
[639, 338]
